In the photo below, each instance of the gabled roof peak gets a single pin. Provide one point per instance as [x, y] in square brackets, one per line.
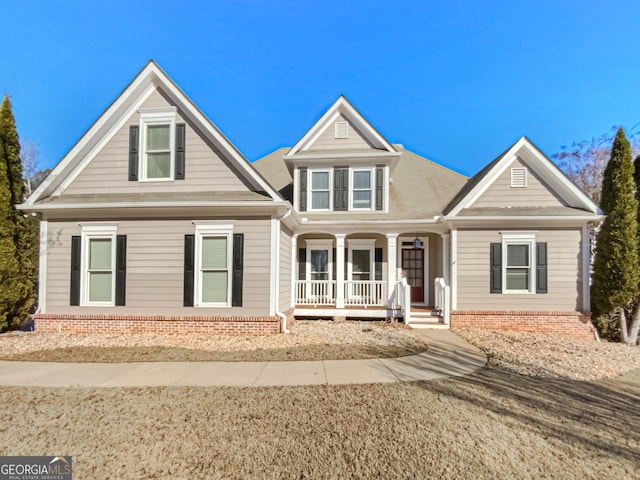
[341, 106]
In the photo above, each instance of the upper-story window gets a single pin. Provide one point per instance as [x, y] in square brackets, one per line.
[341, 189]
[320, 189]
[362, 192]
[158, 146]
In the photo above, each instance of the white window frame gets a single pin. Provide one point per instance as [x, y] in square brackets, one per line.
[96, 232]
[310, 173]
[320, 244]
[362, 244]
[161, 116]
[521, 238]
[213, 229]
[372, 178]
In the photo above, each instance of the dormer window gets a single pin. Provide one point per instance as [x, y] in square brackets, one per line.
[320, 189]
[361, 197]
[342, 130]
[341, 189]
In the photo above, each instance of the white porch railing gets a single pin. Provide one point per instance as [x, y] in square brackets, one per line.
[443, 299]
[367, 293]
[356, 293]
[315, 292]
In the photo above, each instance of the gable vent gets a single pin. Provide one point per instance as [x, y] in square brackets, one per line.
[342, 130]
[518, 177]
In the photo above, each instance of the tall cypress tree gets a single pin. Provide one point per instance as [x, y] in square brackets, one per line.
[11, 288]
[616, 280]
[20, 233]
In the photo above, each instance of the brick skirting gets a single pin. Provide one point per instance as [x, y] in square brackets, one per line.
[53, 323]
[576, 324]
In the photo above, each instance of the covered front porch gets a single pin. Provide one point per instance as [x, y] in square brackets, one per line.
[372, 275]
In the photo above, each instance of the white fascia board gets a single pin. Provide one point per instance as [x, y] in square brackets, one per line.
[75, 206]
[555, 219]
[338, 156]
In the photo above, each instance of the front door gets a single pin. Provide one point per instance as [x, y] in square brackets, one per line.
[413, 268]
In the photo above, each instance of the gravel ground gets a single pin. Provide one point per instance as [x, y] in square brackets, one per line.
[546, 355]
[308, 340]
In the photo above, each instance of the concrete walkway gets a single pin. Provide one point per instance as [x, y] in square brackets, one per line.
[448, 355]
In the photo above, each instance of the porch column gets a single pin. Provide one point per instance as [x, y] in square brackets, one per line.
[339, 270]
[446, 261]
[392, 268]
[294, 269]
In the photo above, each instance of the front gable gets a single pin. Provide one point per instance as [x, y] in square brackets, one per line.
[518, 185]
[109, 171]
[522, 181]
[99, 163]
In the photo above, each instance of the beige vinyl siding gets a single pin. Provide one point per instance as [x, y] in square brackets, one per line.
[108, 171]
[284, 288]
[155, 265]
[564, 273]
[327, 140]
[501, 194]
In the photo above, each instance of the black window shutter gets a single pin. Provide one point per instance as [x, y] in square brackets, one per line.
[541, 268]
[379, 187]
[121, 270]
[189, 260]
[378, 263]
[76, 256]
[302, 263]
[340, 189]
[180, 151]
[496, 268]
[238, 262]
[303, 188]
[134, 138]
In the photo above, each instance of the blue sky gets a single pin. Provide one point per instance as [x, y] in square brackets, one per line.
[455, 81]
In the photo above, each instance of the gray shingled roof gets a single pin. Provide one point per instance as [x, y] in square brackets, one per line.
[156, 197]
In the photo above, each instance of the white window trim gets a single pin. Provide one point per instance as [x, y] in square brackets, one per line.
[90, 232]
[157, 117]
[519, 238]
[372, 178]
[310, 173]
[361, 244]
[213, 229]
[525, 177]
[320, 244]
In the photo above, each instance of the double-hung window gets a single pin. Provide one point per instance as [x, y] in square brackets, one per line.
[99, 265]
[213, 264]
[518, 262]
[320, 189]
[361, 197]
[158, 145]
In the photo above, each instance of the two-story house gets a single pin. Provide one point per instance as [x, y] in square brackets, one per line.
[154, 221]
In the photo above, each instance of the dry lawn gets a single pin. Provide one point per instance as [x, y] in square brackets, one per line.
[492, 424]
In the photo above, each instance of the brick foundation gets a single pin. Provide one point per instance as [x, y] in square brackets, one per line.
[576, 324]
[53, 323]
